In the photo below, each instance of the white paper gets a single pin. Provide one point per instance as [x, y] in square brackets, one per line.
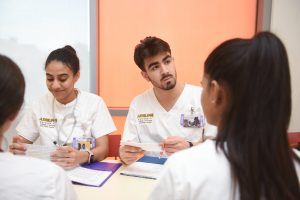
[88, 176]
[143, 170]
[39, 151]
[154, 147]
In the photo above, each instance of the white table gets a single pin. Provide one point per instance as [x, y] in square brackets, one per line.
[117, 187]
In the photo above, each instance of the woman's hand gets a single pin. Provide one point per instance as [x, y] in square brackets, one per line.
[17, 146]
[68, 157]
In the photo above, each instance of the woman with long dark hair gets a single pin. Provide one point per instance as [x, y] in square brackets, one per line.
[247, 95]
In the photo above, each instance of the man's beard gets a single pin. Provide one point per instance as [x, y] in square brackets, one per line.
[168, 85]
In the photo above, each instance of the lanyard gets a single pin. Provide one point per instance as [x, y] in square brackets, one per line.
[59, 129]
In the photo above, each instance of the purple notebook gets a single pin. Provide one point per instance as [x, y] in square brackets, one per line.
[102, 166]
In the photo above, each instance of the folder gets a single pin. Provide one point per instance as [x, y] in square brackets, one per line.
[94, 174]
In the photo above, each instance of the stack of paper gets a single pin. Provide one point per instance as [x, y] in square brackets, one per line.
[146, 167]
[143, 170]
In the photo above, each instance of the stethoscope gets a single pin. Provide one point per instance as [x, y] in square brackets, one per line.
[59, 129]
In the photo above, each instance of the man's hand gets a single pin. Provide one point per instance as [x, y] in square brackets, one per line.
[173, 144]
[130, 154]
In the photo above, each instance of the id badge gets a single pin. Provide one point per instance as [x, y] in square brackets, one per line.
[84, 143]
[192, 119]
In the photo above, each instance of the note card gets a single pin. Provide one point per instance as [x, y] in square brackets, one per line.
[153, 147]
[39, 151]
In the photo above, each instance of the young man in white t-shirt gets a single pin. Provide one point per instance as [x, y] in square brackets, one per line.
[170, 113]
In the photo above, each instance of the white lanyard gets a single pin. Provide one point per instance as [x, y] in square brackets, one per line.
[59, 129]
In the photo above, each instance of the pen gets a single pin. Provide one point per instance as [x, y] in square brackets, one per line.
[162, 151]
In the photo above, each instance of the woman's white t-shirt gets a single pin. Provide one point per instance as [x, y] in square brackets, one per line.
[25, 178]
[201, 172]
[92, 119]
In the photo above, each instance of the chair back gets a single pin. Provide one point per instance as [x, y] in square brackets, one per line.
[294, 139]
[114, 144]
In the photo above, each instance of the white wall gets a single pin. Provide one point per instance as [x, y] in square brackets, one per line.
[31, 29]
[285, 23]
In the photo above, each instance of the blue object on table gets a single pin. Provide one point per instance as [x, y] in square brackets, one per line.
[155, 160]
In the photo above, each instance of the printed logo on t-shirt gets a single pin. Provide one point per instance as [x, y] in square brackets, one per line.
[145, 118]
[47, 122]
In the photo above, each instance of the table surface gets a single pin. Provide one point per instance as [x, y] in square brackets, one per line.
[117, 187]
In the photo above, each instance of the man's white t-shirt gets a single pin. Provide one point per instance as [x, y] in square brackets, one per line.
[200, 172]
[149, 122]
[92, 119]
[25, 178]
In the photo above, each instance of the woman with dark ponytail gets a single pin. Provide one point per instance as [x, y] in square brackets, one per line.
[247, 95]
[66, 116]
[24, 178]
